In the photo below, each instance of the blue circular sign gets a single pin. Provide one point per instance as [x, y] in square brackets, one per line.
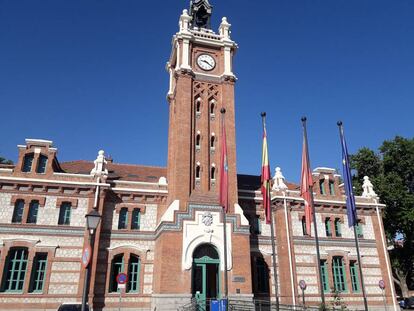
[122, 278]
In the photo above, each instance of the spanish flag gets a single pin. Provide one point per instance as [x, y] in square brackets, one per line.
[265, 178]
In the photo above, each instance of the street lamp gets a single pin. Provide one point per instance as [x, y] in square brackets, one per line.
[92, 221]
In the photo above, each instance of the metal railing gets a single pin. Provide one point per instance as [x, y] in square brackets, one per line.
[251, 305]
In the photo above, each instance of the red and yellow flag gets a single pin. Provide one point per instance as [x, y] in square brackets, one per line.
[306, 186]
[265, 179]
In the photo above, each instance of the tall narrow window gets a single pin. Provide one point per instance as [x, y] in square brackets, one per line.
[198, 171]
[133, 274]
[123, 218]
[262, 271]
[359, 230]
[41, 164]
[64, 213]
[332, 187]
[136, 218]
[353, 267]
[213, 173]
[304, 226]
[15, 270]
[198, 105]
[338, 229]
[33, 210]
[257, 225]
[117, 267]
[27, 162]
[328, 229]
[212, 142]
[322, 186]
[37, 281]
[212, 108]
[198, 140]
[18, 211]
[339, 276]
[324, 274]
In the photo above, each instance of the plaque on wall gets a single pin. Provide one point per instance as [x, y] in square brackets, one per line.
[239, 279]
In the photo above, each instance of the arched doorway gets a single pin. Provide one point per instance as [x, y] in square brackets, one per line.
[205, 274]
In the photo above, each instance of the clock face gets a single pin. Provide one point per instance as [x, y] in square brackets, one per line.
[206, 62]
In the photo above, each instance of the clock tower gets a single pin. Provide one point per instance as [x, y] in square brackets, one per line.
[201, 83]
[190, 244]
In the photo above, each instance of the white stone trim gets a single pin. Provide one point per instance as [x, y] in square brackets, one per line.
[169, 213]
[141, 190]
[54, 181]
[238, 210]
[195, 233]
[8, 170]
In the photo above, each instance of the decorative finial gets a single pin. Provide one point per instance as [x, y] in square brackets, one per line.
[304, 119]
[279, 180]
[223, 110]
[263, 114]
[100, 169]
[339, 123]
[368, 188]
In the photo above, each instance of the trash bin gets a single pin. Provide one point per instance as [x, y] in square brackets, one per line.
[214, 305]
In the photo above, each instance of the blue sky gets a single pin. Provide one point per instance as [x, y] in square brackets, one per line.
[91, 75]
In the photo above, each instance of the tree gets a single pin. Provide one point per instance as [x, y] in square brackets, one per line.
[391, 171]
[5, 161]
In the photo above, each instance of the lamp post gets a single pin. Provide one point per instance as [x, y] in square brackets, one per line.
[92, 221]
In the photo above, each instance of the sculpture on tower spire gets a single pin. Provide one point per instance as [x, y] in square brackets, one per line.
[200, 11]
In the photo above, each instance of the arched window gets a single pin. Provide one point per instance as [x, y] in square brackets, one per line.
[262, 271]
[338, 230]
[332, 187]
[123, 218]
[15, 270]
[353, 269]
[134, 268]
[198, 139]
[322, 186]
[136, 218]
[198, 105]
[117, 267]
[213, 173]
[212, 141]
[304, 226]
[198, 171]
[324, 274]
[339, 276]
[18, 211]
[328, 229]
[38, 277]
[33, 210]
[41, 164]
[65, 213]
[359, 229]
[27, 162]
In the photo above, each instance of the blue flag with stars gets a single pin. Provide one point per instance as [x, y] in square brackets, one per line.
[349, 192]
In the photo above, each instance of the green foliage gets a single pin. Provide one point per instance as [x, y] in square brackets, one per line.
[391, 171]
[5, 161]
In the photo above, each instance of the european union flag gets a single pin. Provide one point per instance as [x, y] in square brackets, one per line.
[349, 192]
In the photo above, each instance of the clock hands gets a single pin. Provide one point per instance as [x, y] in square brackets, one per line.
[208, 63]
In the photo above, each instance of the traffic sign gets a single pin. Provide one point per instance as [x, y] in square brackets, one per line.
[302, 284]
[381, 284]
[122, 278]
[86, 255]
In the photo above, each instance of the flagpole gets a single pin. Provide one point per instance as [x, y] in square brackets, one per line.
[224, 211]
[341, 135]
[272, 234]
[318, 255]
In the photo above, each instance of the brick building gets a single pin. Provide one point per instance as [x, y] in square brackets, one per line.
[163, 225]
